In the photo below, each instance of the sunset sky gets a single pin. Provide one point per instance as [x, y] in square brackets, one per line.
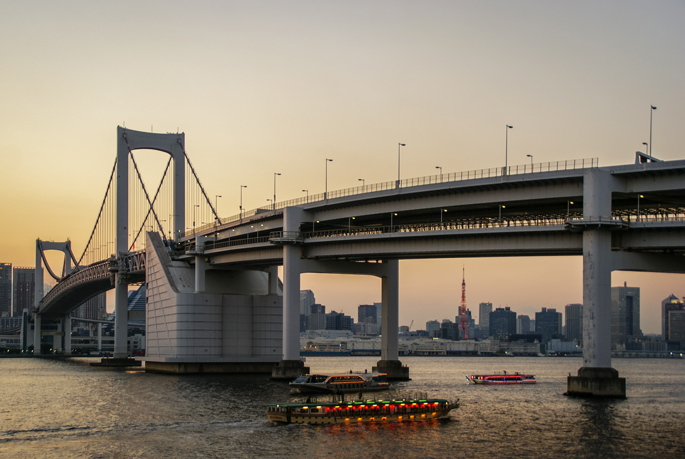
[278, 86]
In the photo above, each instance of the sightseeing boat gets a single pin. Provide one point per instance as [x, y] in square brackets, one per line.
[341, 383]
[337, 411]
[504, 378]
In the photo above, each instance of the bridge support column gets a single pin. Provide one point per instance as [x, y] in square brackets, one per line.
[200, 264]
[36, 334]
[596, 377]
[121, 318]
[390, 362]
[67, 335]
[100, 338]
[273, 280]
[291, 366]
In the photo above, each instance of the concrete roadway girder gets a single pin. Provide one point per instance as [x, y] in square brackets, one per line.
[648, 262]
[671, 238]
[506, 242]
[457, 195]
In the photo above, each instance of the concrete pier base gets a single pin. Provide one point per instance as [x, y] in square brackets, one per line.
[208, 367]
[116, 362]
[596, 382]
[289, 370]
[394, 370]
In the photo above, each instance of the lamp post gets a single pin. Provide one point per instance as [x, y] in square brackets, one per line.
[306, 191]
[441, 212]
[506, 149]
[349, 224]
[646, 147]
[325, 195]
[363, 182]
[399, 146]
[440, 167]
[274, 202]
[650, 128]
[568, 209]
[194, 210]
[391, 215]
[500, 212]
[241, 202]
[638, 206]
[216, 206]
[531, 162]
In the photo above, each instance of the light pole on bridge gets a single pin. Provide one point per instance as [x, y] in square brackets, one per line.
[274, 202]
[531, 162]
[500, 212]
[638, 206]
[325, 194]
[241, 202]
[440, 167]
[194, 209]
[306, 191]
[363, 182]
[399, 147]
[650, 129]
[506, 150]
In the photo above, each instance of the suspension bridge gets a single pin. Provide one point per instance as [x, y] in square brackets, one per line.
[215, 302]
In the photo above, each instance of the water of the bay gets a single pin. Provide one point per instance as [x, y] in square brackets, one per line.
[52, 408]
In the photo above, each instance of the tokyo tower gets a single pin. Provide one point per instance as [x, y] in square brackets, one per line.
[463, 324]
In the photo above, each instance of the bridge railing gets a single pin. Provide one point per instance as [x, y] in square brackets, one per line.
[552, 166]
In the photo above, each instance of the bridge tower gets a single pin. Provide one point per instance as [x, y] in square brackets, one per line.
[127, 141]
[41, 247]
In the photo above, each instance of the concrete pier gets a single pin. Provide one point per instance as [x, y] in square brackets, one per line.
[596, 382]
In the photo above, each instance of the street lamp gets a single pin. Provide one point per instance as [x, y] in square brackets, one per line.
[349, 224]
[568, 209]
[216, 205]
[531, 162]
[650, 129]
[306, 191]
[391, 215]
[441, 212]
[399, 146]
[638, 206]
[646, 147]
[363, 182]
[275, 174]
[241, 202]
[325, 195]
[194, 209]
[506, 149]
[440, 167]
[500, 212]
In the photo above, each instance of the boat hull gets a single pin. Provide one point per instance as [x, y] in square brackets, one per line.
[304, 419]
[497, 380]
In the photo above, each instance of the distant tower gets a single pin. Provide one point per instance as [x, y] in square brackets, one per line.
[463, 322]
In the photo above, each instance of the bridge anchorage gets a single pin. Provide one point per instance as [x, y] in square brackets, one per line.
[214, 299]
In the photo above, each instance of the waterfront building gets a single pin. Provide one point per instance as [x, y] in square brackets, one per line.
[23, 290]
[5, 289]
[306, 301]
[432, 326]
[317, 317]
[366, 313]
[502, 323]
[676, 329]
[449, 330]
[484, 310]
[523, 325]
[574, 323]
[96, 308]
[548, 324]
[625, 314]
[338, 321]
[672, 303]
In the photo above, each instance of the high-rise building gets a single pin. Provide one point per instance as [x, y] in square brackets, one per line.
[523, 325]
[625, 313]
[672, 303]
[432, 326]
[484, 310]
[676, 327]
[317, 317]
[366, 313]
[5, 289]
[574, 322]
[23, 289]
[96, 307]
[548, 324]
[338, 321]
[306, 300]
[502, 323]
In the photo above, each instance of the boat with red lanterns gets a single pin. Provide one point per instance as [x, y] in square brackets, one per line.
[502, 378]
[338, 411]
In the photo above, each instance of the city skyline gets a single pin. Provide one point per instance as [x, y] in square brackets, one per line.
[274, 87]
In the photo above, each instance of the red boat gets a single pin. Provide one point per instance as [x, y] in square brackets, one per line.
[504, 378]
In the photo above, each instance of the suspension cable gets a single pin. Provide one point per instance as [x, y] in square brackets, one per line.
[197, 179]
[152, 204]
[111, 177]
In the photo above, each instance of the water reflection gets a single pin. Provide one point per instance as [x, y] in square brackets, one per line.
[599, 432]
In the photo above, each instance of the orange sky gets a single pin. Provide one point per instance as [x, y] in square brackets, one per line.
[264, 87]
